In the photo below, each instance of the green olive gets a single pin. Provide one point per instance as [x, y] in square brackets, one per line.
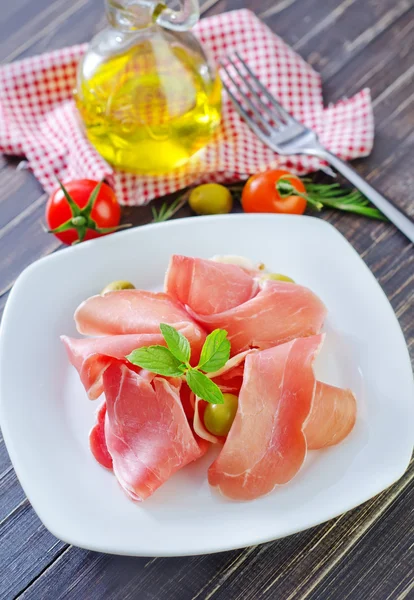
[116, 286]
[211, 199]
[277, 277]
[218, 418]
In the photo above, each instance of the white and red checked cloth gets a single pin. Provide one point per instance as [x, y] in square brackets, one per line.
[38, 117]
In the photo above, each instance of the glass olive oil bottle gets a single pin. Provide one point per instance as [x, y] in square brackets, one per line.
[146, 92]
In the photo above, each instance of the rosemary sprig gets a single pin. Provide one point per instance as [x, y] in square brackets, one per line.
[334, 196]
[166, 210]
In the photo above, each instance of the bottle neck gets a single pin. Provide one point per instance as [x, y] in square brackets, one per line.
[127, 16]
[132, 15]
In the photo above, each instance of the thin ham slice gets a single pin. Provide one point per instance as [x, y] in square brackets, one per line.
[332, 416]
[231, 383]
[97, 440]
[206, 286]
[92, 356]
[146, 430]
[187, 400]
[266, 445]
[136, 311]
[279, 313]
[331, 419]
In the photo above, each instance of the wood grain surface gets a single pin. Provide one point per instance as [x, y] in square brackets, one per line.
[364, 554]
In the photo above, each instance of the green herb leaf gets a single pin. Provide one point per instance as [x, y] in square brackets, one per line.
[203, 387]
[92, 198]
[286, 189]
[335, 196]
[168, 210]
[215, 352]
[178, 345]
[157, 359]
[76, 211]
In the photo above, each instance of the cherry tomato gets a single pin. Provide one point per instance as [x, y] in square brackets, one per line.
[94, 220]
[260, 194]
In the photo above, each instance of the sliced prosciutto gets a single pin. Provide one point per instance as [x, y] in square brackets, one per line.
[92, 356]
[279, 313]
[331, 419]
[97, 441]
[266, 445]
[332, 416]
[208, 287]
[135, 311]
[146, 430]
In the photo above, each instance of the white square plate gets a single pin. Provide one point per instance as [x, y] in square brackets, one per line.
[46, 416]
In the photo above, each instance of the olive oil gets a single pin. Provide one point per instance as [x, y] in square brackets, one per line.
[151, 107]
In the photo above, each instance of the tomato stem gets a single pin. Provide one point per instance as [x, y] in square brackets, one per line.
[286, 190]
[78, 221]
[81, 219]
[104, 230]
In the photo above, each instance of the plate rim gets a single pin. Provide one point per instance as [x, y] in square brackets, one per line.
[41, 511]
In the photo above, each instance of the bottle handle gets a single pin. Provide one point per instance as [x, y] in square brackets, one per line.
[178, 20]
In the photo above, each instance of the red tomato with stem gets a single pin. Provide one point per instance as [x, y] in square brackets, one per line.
[274, 192]
[81, 210]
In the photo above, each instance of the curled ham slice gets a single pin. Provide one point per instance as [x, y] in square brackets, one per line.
[146, 430]
[97, 441]
[206, 286]
[332, 416]
[187, 400]
[266, 445]
[136, 311]
[279, 313]
[92, 356]
[331, 419]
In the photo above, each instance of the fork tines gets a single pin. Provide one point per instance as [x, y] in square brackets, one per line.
[251, 96]
[256, 105]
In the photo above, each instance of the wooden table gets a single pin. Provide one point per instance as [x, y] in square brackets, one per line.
[363, 554]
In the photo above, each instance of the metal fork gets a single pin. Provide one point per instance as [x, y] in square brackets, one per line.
[285, 135]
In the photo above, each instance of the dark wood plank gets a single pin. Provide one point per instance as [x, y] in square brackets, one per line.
[392, 562]
[51, 25]
[354, 29]
[18, 256]
[26, 549]
[120, 578]
[11, 493]
[379, 66]
[18, 191]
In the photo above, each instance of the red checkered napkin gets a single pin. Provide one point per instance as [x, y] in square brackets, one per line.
[38, 118]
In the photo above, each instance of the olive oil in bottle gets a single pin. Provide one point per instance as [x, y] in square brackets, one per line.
[148, 98]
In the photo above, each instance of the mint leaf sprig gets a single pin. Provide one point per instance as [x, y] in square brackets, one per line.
[174, 360]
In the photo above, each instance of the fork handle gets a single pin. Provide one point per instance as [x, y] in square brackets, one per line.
[400, 220]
